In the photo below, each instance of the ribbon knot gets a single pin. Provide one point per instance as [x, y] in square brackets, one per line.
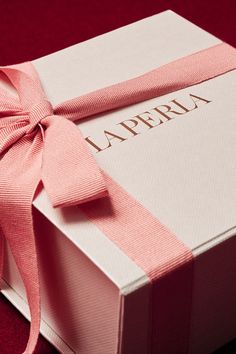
[38, 112]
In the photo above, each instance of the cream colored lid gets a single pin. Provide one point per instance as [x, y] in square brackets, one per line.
[183, 171]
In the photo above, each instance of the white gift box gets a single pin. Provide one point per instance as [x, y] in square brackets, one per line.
[95, 299]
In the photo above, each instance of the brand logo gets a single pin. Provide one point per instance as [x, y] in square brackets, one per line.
[144, 121]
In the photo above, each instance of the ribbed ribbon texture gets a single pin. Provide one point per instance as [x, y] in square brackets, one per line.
[41, 146]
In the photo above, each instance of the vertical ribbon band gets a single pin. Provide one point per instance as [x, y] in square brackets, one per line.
[40, 145]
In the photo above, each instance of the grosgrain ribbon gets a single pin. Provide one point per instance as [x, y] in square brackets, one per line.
[39, 145]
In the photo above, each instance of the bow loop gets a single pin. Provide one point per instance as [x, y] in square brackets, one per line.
[11, 134]
[24, 78]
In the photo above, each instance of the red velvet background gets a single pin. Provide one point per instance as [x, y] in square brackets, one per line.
[31, 29]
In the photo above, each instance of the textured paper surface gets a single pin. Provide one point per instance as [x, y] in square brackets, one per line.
[172, 169]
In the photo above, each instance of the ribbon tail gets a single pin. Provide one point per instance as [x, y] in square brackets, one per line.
[20, 173]
[70, 173]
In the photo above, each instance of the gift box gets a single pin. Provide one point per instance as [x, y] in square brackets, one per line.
[161, 279]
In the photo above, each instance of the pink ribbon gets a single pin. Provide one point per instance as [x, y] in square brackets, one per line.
[39, 145]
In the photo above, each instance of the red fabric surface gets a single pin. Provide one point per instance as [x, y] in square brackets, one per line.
[31, 29]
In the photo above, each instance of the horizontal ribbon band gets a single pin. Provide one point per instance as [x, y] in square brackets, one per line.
[40, 145]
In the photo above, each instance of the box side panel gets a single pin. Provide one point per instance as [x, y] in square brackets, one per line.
[135, 321]
[213, 318]
[79, 302]
[214, 299]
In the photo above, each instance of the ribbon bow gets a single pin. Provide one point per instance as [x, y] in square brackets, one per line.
[37, 144]
[40, 144]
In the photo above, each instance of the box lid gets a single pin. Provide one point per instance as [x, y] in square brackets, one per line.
[183, 171]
